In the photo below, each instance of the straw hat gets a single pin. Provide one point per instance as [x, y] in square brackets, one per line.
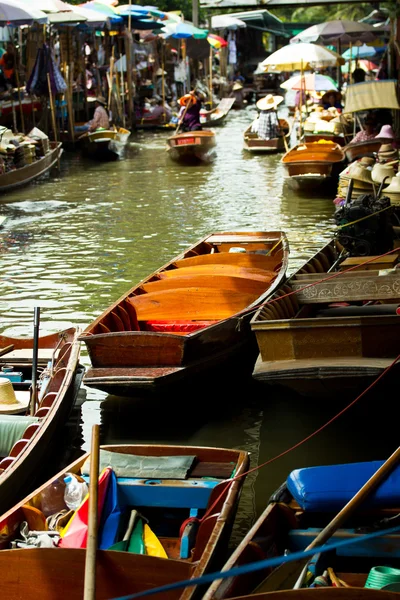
[367, 161]
[387, 151]
[394, 186]
[360, 173]
[101, 100]
[338, 96]
[380, 171]
[269, 101]
[12, 402]
[160, 71]
[237, 86]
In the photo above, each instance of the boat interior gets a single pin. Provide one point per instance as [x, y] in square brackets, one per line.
[211, 282]
[321, 151]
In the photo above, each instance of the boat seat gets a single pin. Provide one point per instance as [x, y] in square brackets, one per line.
[196, 304]
[42, 411]
[12, 429]
[175, 326]
[18, 447]
[244, 259]
[220, 269]
[223, 282]
[48, 399]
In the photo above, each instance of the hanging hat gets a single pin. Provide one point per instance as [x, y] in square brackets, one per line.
[269, 102]
[101, 100]
[186, 98]
[160, 71]
[12, 402]
[380, 171]
[237, 86]
[394, 186]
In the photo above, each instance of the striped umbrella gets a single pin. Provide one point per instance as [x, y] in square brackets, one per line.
[216, 41]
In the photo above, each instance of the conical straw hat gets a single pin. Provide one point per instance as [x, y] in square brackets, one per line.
[269, 101]
[9, 403]
[380, 171]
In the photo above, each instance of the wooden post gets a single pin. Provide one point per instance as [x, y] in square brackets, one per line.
[210, 76]
[128, 39]
[21, 112]
[163, 80]
[91, 547]
[69, 104]
[110, 82]
[52, 109]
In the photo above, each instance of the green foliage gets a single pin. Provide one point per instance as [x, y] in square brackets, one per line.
[321, 14]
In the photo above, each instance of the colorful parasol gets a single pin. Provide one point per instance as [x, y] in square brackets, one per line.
[216, 41]
[312, 82]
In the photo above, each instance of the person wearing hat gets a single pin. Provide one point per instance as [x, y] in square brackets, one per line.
[331, 98]
[368, 133]
[267, 124]
[237, 93]
[100, 118]
[189, 114]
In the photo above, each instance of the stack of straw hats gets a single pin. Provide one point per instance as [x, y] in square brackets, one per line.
[393, 190]
[387, 153]
[360, 173]
[382, 170]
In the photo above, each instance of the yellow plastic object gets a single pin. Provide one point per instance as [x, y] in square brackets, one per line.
[152, 543]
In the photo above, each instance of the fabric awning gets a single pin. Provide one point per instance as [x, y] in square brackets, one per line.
[370, 95]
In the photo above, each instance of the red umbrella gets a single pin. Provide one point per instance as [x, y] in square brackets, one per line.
[216, 41]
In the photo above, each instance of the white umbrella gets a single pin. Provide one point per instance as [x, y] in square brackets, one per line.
[226, 22]
[18, 13]
[66, 17]
[305, 57]
[49, 6]
[93, 17]
[337, 30]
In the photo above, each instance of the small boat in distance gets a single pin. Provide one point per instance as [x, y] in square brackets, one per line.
[218, 114]
[188, 317]
[27, 440]
[252, 143]
[313, 164]
[24, 175]
[105, 144]
[192, 146]
[188, 498]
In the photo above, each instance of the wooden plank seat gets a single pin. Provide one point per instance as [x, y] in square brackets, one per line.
[221, 269]
[223, 282]
[175, 326]
[244, 259]
[190, 304]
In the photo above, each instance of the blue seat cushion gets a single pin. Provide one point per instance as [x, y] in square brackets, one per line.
[329, 488]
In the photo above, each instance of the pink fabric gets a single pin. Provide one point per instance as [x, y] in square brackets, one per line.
[100, 119]
[363, 136]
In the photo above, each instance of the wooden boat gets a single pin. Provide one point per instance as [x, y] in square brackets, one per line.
[311, 344]
[24, 175]
[149, 123]
[218, 115]
[188, 482]
[187, 317]
[287, 526]
[323, 593]
[315, 137]
[105, 144]
[313, 164]
[192, 146]
[359, 149]
[26, 440]
[252, 143]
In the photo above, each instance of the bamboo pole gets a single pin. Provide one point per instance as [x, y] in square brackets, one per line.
[128, 39]
[110, 80]
[122, 94]
[52, 109]
[301, 101]
[91, 547]
[69, 104]
[210, 76]
[21, 112]
[163, 81]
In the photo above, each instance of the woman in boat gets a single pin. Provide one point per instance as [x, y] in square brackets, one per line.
[100, 118]
[267, 125]
[332, 98]
[368, 133]
[189, 114]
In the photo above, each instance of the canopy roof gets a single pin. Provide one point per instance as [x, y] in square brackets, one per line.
[260, 19]
[370, 95]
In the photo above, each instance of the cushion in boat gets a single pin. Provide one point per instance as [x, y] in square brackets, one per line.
[12, 429]
[329, 488]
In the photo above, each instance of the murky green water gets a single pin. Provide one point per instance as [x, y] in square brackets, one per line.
[76, 242]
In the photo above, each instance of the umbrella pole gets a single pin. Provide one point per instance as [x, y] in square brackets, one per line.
[351, 53]
[339, 68]
[210, 75]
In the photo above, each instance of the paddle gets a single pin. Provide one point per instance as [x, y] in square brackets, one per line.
[34, 388]
[184, 113]
[285, 573]
[91, 548]
[6, 350]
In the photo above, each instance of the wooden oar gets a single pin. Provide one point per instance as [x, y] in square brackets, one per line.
[34, 389]
[91, 547]
[183, 116]
[282, 577]
[6, 350]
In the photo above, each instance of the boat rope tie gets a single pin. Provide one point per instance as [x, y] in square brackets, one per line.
[259, 565]
[366, 217]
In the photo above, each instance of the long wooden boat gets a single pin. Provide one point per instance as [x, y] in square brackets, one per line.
[334, 138]
[27, 440]
[360, 149]
[252, 143]
[303, 505]
[313, 164]
[313, 343]
[323, 593]
[105, 144]
[189, 316]
[170, 484]
[24, 175]
[192, 146]
[218, 114]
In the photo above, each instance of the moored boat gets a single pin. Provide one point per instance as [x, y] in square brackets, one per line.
[187, 317]
[332, 332]
[105, 144]
[28, 173]
[192, 146]
[27, 436]
[187, 501]
[217, 116]
[313, 164]
[252, 143]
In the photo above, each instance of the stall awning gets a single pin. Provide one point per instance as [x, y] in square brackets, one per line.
[262, 20]
[370, 95]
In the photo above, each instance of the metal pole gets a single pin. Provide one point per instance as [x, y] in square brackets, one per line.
[195, 12]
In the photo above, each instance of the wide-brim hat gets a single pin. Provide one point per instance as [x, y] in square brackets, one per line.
[367, 161]
[387, 151]
[394, 185]
[184, 100]
[11, 402]
[380, 171]
[237, 86]
[360, 173]
[269, 102]
[101, 100]
[329, 92]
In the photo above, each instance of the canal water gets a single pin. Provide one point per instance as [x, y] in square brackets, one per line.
[76, 242]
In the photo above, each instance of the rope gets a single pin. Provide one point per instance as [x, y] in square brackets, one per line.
[366, 217]
[259, 565]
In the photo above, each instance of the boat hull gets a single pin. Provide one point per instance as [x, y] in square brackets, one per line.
[313, 165]
[27, 174]
[359, 149]
[105, 145]
[252, 143]
[192, 147]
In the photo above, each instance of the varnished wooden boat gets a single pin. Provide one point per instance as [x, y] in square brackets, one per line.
[219, 113]
[314, 347]
[315, 137]
[192, 146]
[105, 144]
[252, 143]
[26, 441]
[27, 174]
[332, 593]
[360, 149]
[199, 485]
[189, 316]
[313, 164]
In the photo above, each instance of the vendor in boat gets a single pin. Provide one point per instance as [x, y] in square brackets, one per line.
[368, 133]
[100, 118]
[267, 125]
[161, 109]
[238, 94]
[332, 98]
[189, 114]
